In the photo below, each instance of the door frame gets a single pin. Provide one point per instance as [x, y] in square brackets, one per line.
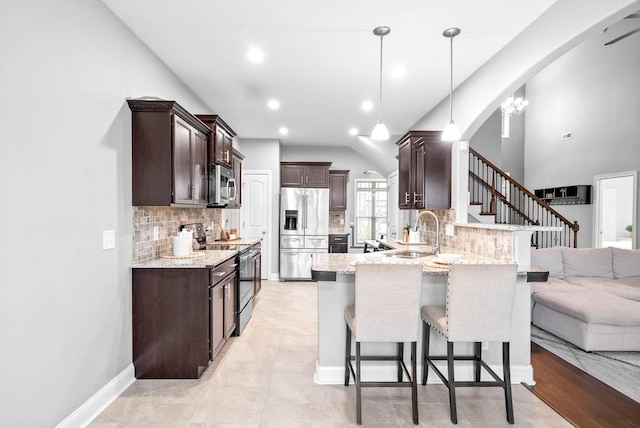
[267, 251]
[597, 205]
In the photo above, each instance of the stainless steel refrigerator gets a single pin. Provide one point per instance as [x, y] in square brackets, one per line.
[304, 230]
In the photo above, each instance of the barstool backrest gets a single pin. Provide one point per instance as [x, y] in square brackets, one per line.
[387, 301]
[480, 302]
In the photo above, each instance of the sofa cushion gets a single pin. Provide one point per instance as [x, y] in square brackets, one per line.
[592, 307]
[626, 263]
[587, 262]
[555, 284]
[606, 285]
[549, 259]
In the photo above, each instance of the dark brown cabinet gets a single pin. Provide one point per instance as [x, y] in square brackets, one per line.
[169, 155]
[424, 171]
[304, 174]
[181, 318]
[220, 144]
[170, 322]
[338, 243]
[257, 268]
[229, 285]
[338, 189]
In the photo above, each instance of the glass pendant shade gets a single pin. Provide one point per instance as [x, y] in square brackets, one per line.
[451, 132]
[380, 132]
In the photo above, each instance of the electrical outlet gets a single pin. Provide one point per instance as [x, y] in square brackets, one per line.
[156, 234]
[108, 239]
[449, 230]
[341, 221]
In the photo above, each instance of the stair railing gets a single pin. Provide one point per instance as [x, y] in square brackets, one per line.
[511, 203]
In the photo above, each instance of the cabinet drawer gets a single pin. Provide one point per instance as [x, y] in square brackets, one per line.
[223, 270]
[337, 239]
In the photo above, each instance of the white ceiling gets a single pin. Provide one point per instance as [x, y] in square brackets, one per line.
[321, 58]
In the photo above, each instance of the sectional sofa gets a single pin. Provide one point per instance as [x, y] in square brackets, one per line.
[591, 298]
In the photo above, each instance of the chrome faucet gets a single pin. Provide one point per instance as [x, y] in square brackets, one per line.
[436, 246]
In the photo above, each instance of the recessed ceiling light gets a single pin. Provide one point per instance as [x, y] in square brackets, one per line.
[367, 105]
[353, 131]
[398, 71]
[273, 104]
[255, 55]
[283, 130]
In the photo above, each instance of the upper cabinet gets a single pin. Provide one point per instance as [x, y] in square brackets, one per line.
[236, 166]
[220, 141]
[169, 155]
[304, 174]
[338, 189]
[424, 171]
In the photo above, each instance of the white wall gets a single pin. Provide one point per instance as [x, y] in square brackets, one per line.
[264, 154]
[594, 93]
[66, 68]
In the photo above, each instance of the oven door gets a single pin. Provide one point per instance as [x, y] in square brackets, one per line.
[245, 290]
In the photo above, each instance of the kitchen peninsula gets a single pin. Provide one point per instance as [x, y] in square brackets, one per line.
[336, 287]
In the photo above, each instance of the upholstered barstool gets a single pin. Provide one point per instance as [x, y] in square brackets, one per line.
[478, 309]
[386, 309]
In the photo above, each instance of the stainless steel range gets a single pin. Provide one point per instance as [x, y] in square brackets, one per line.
[244, 288]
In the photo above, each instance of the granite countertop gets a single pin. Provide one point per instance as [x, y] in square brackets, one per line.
[209, 259]
[509, 227]
[239, 241]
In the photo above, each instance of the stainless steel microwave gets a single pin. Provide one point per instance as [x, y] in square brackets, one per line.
[222, 186]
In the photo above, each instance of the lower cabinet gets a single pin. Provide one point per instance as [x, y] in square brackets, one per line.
[181, 319]
[338, 243]
[170, 322]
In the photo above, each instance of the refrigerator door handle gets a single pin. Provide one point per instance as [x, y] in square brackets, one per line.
[304, 211]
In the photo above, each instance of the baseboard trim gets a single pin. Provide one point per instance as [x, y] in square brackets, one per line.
[334, 375]
[91, 408]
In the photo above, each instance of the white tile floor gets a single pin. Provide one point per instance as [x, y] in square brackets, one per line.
[264, 379]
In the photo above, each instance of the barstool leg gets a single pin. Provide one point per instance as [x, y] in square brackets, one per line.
[506, 370]
[400, 357]
[347, 360]
[426, 330]
[452, 384]
[414, 383]
[477, 353]
[358, 389]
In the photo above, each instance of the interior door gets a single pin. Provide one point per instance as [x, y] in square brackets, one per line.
[615, 209]
[256, 212]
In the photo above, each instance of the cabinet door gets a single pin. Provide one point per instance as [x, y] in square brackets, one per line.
[216, 317]
[237, 169]
[404, 175]
[316, 176]
[222, 147]
[229, 305]
[291, 175]
[437, 176]
[199, 172]
[257, 274]
[182, 136]
[418, 176]
[337, 191]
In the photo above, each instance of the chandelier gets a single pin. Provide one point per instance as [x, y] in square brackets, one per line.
[511, 106]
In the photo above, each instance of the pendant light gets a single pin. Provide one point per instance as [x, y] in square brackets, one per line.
[380, 132]
[451, 132]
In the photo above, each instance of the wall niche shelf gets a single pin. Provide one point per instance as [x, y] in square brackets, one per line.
[566, 195]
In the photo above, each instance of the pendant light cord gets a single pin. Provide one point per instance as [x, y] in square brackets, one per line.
[451, 83]
[380, 92]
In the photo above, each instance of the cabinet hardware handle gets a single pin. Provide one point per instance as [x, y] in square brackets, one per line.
[406, 197]
[219, 273]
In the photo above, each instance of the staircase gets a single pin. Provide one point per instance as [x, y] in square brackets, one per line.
[497, 198]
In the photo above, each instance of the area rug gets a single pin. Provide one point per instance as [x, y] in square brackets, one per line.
[619, 370]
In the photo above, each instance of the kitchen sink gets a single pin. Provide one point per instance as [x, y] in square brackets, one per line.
[410, 254]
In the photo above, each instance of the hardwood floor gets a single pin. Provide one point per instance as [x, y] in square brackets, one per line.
[580, 398]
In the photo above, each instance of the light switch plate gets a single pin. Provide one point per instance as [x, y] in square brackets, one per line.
[449, 230]
[341, 221]
[108, 239]
[156, 234]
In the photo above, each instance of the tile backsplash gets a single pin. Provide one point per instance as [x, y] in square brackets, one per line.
[167, 219]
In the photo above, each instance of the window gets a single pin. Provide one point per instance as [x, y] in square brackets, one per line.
[371, 209]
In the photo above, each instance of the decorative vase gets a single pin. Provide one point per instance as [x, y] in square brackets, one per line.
[405, 235]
